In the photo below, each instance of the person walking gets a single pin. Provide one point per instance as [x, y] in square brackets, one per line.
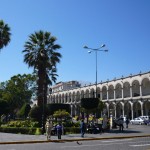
[48, 127]
[82, 128]
[121, 125]
[59, 130]
[127, 122]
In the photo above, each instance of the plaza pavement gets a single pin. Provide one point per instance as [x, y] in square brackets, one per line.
[132, 132]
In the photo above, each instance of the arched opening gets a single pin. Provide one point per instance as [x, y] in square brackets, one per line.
[111, 92]
[126, 90]
[145, 87]
[135, 88]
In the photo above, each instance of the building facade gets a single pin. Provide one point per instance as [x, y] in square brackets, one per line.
[62, 86]
[126, 96]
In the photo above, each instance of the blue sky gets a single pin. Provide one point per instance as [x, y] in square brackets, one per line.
[123, 25]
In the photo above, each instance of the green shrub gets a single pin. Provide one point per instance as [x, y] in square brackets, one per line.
[24, 123]
[72, 129]
[21, 130]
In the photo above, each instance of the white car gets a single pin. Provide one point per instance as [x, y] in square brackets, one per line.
[137, 121]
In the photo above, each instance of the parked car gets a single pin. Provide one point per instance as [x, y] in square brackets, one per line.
[145, 117]
[137, 121]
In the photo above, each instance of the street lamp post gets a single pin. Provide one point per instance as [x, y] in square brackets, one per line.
[96, 50]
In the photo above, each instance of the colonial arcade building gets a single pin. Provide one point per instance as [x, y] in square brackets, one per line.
[126, 96]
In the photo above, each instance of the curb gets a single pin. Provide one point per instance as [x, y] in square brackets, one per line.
[70, 140]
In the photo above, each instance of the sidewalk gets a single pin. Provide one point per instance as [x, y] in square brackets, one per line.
[131, 132]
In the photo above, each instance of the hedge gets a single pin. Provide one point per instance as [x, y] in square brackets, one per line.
[21, 130]
[34, 131]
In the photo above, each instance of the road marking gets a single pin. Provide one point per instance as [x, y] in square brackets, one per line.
[89, 145]
[116, 140]
[139, 145]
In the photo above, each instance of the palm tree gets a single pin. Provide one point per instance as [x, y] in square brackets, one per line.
[41, 54]
[4, 34]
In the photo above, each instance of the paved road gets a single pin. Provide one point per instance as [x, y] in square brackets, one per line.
[107, 144]
[132, 131]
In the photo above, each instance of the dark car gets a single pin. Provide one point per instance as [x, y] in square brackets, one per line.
[147, 122]
[93, 128]
[54, 130]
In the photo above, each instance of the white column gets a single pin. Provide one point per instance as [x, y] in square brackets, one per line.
[123, 109]
[108, 109]
[132, 110]
[122, 92]
[107, 94]
[100, 95]
[75, 109]
[114, 93]
[140, 90]
[131, 91]
[141, 108]
[71, 109]
[115, 110]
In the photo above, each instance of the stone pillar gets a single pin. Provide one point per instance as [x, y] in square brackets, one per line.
[100, 95]
[122, 92]
[140, 90]
[114, 93]
[107, 94]
[71, 109]
[108, 110]
[132, 110]
[75, 109]
[123, 109]
[141, 108]
[115, 110]
[131, 91]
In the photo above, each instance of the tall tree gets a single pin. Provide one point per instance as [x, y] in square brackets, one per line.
[4, 34]
[17, 91]
[41, 54]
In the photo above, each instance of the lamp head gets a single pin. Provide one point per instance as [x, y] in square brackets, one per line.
[106, 50]
[85, 46]
[103, 45]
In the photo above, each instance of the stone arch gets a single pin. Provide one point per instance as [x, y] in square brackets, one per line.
[78, 96]
[136, 109]
[92, 93]
[127, 110]
[112, 109]
[118, 90]
[66, 98]
[73, 97]
[106, 109]
[98, 92]
[87, 93]
[82, 94]
[104, 93]
[119, 109]
[62, 101]
[69, 97]
[56, 100]
[110, 92]
[145, 87]
[126, 90]
[53, 99]
[59, 99]
[135, 88]
[146, 108]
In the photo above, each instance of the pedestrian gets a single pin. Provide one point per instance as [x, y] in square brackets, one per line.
[127, 122]
[121, 125]
[48, 127]
[82, 128]
[59, 130]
